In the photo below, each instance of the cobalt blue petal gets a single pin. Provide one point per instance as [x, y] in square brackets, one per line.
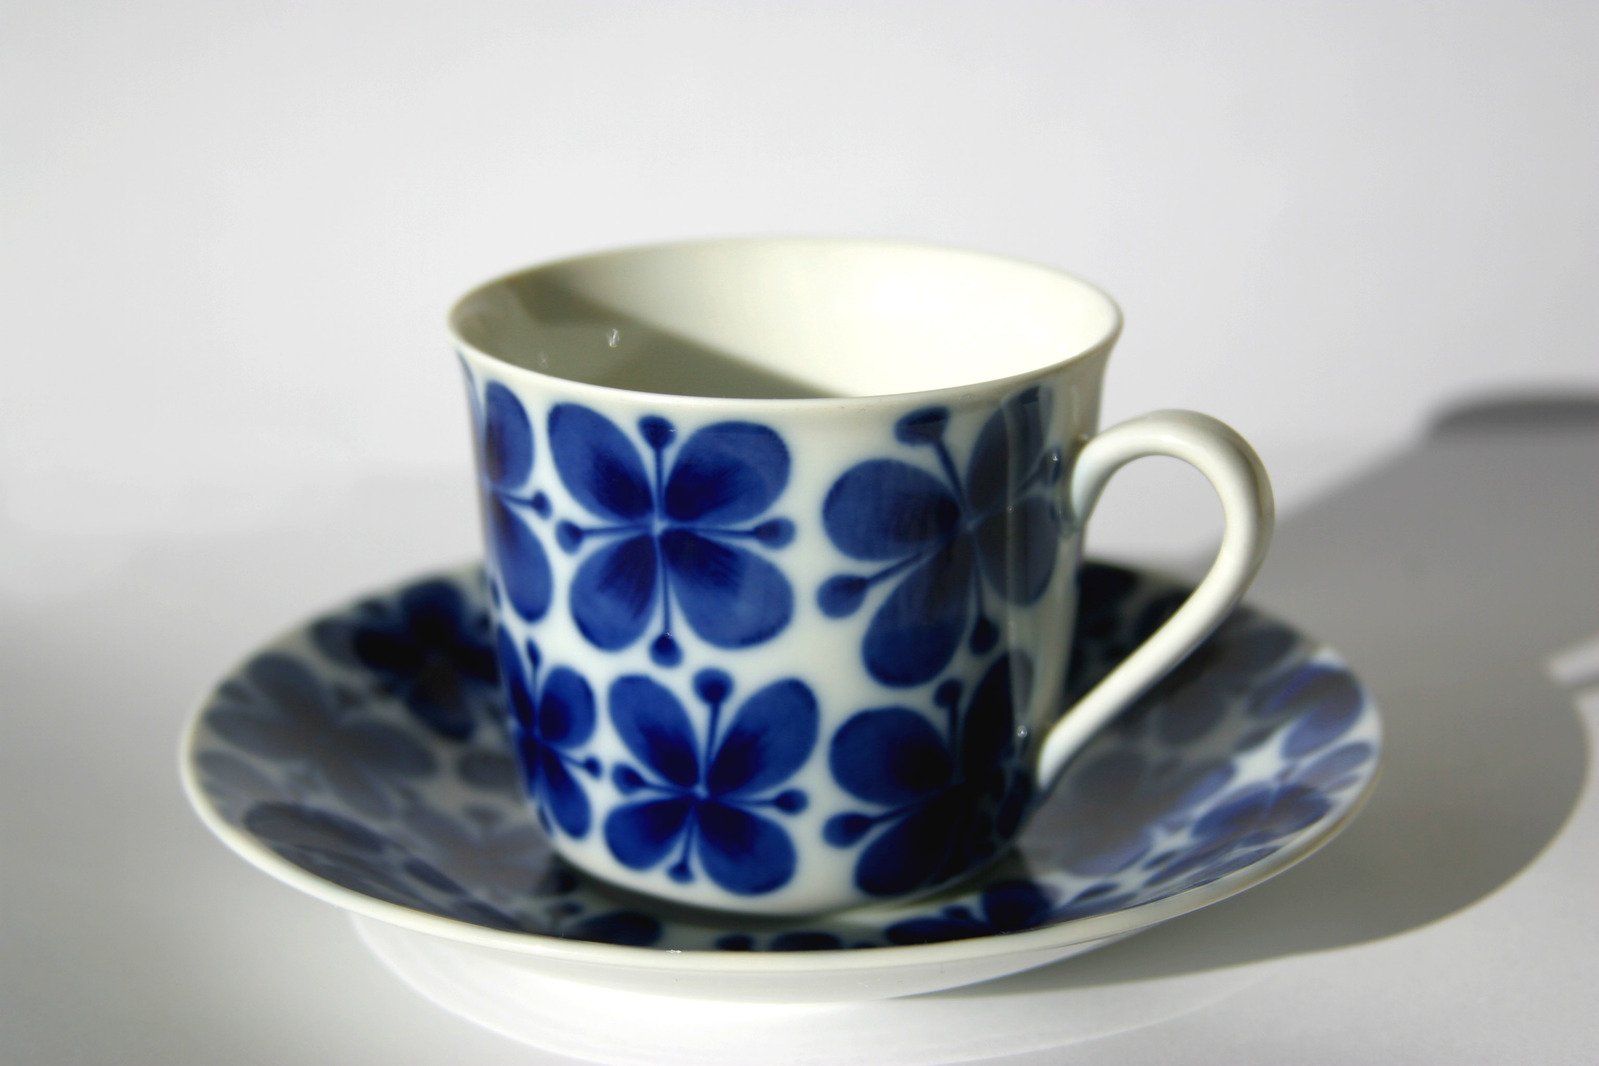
[911, 853]
[988, 730]
[1008, 907]
[937, 928]
[1337, 705]
[381, 747]
[1328, 771]
[507, 438]
[267, 737]
[295, 825]
[1008, 447]
[523, 566]
[742, 852]
[1091, 901]
[383, 649]
[598, 464]
[730, 596]
[655, 728]
[1017, 548]
[1100, 852]
[566, 713]
[1012, 906]
[725, 473]
[768, 741]
[885, 509]
[889, 756]
[1260, 815]
[1311, 683]
[613, 593]
[434, 649]
[564, 799]
[292, 690]
[518, 689]
[989, 472]
[842, 594]
[629, 928]
[641, 835]
[291, 707]
[925, 425]
[806, 940]
[918, 628]
[434, 612]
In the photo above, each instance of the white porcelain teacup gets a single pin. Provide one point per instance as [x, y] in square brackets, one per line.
[782, 539]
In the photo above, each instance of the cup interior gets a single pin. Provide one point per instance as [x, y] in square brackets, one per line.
[786, 319]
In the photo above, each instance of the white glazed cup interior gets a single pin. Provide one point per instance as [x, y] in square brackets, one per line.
[786, 318]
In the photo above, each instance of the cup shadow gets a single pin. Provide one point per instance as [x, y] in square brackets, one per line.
[1448, 577]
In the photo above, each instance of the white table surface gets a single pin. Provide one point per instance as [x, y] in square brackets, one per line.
[1364, 233]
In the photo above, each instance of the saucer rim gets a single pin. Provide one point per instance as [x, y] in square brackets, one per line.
[1061, 935]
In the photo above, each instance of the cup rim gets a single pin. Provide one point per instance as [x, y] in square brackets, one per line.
[945, 394]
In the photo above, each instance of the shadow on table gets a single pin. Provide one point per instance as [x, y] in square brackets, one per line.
[1448, 577]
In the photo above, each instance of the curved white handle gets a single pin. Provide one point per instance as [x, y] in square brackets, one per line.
[1232, 466]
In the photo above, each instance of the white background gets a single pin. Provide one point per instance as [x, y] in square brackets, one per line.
[229, 233]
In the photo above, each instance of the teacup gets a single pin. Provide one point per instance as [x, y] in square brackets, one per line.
[782, 537]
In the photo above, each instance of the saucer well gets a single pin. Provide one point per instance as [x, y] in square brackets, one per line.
[360, 758]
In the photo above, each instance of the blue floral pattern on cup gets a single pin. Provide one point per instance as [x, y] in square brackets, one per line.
[505, 466]
[942, 801]
[707, 797]
[316, 756]
[944, 540]
[673, 535]
[551, 720]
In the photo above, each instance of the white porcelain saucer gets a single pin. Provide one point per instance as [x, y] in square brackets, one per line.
[360, 759]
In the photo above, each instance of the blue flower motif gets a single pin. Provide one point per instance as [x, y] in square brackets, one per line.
[237, 783]
[633, 929]
[549, 724]
[946, 802]
[428, 649]
[672, 536]
[353, 856]
[1006, 907]
[946, 539]
[500, 856]
[1121, 799]
[576, 909]
[703, 799]
[806, 940]
[1192, 699]
[1240, 831]
[280, 710]
[505, 463]
[1326, 701]
[1255, 820]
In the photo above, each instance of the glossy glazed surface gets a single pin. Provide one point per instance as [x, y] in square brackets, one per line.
[363, 758]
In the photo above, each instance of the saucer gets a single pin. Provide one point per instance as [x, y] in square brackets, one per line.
[361, 758]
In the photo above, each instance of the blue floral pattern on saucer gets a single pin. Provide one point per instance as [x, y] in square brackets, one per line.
[314, 761]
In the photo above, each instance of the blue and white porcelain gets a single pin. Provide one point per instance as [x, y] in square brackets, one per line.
[365, 758]
[780, 539]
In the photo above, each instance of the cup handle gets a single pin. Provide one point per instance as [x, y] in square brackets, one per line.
[1235, 471]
